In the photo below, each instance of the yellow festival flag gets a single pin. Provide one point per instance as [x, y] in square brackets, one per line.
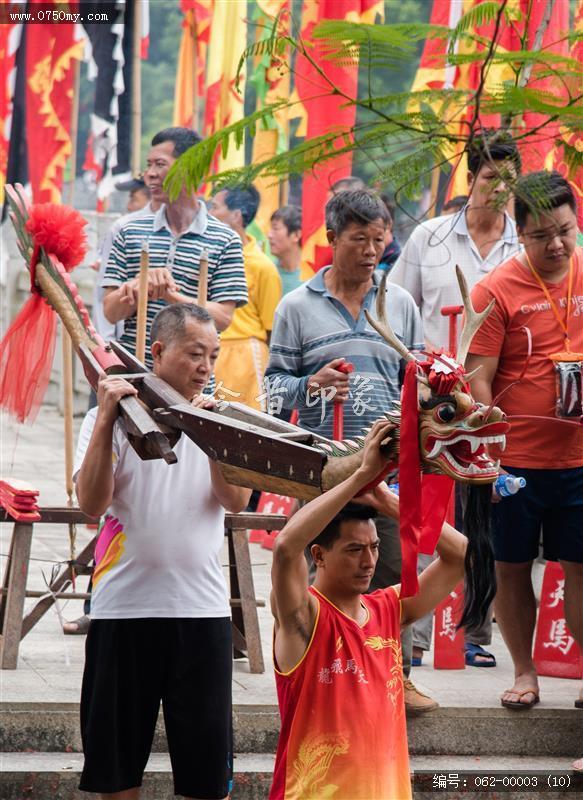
[272, 82]
[225, 102]
[190, 73]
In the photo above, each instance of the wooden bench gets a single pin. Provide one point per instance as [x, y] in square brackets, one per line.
[14, 624]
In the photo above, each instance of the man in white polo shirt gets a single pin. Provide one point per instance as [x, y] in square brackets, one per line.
[160, 628]
[478, 238]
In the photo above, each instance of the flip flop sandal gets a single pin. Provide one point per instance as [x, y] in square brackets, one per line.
[473, 650]
[516, 705]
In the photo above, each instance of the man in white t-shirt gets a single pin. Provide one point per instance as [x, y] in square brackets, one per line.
[478, 238]
[160, 619]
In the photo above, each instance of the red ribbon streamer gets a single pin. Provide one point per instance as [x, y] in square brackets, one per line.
[410, 483]
[435, 499]
[26, 359]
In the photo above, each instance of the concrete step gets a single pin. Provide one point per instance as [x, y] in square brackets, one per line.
[55, 776]
[54, 727]
[539, 731]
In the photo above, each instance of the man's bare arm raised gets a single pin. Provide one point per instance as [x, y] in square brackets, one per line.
[292, 605]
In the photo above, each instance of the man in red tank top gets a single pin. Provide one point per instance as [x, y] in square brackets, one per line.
[337, 651]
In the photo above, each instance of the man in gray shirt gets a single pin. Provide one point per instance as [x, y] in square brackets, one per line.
[321, 324]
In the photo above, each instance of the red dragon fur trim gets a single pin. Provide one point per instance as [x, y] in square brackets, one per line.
[26, 352]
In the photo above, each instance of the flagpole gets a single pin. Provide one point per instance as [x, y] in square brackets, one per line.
[195, 98]
[67, 346]
[432, 212]
[66, 343]
[137, 89]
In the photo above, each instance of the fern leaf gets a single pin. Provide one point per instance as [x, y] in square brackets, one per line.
[478, 15]
[192, 168]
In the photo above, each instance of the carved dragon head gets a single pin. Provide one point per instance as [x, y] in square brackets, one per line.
[455, 432]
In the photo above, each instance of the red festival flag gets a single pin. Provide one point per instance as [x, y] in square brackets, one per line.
[536, 149]
[530, 19]
[322, 110]
[51, 49]
[436, 73]
[9, 40]
[556, 158]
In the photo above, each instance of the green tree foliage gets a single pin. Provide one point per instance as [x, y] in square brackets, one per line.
[159, 71]
[399, 136]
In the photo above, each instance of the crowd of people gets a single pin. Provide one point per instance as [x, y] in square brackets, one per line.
[276, 341]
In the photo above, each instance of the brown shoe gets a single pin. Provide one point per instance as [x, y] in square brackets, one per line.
[415, 701]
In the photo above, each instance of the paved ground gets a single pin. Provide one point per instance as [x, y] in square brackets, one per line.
[51, 664]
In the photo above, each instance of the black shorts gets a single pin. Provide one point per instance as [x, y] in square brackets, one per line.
[134, 664]
[551, 502]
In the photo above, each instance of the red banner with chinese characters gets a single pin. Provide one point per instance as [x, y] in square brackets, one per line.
[448, 647]
[556, 652]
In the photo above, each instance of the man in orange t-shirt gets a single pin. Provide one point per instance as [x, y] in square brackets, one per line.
[337, 650]
[540, 289]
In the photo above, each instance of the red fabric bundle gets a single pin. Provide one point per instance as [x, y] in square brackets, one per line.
[26, 359]
[27, 350]
[20, 500]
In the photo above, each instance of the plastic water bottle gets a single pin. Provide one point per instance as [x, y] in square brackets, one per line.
[394, 487]
[506, 485]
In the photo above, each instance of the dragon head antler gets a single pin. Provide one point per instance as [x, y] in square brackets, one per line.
[472, 319]
[454, 433]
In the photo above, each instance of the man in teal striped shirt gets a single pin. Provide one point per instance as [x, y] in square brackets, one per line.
[177, 235]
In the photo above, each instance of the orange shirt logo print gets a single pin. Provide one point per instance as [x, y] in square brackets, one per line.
[395, 683]
[313, 763]
[378, 643]
[350, 667]
[577, 310]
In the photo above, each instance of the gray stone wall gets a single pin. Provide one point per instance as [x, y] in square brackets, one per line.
[14, 288]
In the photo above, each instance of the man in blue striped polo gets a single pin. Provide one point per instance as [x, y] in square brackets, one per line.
[322, 323]
[177, 235]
